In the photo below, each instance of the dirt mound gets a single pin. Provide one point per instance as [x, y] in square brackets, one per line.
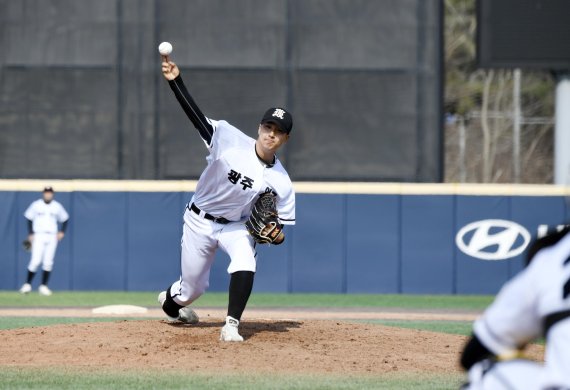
[285, 346]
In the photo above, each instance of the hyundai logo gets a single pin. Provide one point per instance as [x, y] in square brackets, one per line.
[492, 239]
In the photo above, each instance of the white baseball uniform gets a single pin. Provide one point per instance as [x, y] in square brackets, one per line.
[536, 302]
[228, 188]
[44, 217]
[515, 374]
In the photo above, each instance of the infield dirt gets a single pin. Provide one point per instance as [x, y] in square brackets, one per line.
[271, 346]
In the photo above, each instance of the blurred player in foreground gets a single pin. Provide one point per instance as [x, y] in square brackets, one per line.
[534, 303]
[43, 216]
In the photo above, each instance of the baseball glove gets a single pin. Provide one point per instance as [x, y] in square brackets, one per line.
[27, 245]
[263, 223]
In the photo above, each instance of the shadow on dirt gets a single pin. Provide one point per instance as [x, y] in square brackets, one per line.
[247, 328]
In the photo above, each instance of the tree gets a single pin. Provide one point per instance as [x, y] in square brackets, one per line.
[479, 108]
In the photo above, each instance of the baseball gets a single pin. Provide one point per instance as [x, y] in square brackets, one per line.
[165, 48]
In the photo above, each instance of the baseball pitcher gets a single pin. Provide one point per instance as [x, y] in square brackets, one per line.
[243, 197]
[534, 303]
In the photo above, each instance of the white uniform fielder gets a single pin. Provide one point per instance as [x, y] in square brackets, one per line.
[44, 217]
[534, 303]
[228, 188]
[505, 375]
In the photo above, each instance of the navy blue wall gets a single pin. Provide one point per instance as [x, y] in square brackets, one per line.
[341, 243]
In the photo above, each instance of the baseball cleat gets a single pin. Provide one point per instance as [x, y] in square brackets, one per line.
[230, 330]
[161, 299]
[185, 315]
[26, 288]
[188, 316]
[44, 290]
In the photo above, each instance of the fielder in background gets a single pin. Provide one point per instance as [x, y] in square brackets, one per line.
[43, 216]
[534, 303]
[242, 178]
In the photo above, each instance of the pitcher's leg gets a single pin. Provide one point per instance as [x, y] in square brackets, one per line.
[241, 284]
[237, 243]
[196, 258]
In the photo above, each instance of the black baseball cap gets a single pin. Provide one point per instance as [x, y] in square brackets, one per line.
[280, 116]
[48, 189]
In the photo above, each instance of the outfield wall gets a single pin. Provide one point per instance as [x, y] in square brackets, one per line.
[349, 237]
[334, 63]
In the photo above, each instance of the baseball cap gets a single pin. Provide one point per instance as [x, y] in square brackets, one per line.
[48, 189]
[281, 117]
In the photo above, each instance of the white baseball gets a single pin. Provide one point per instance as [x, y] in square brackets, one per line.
[165, 48]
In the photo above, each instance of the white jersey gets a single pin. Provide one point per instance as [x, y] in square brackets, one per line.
[535, 302]
[45, 216]
[235, 176]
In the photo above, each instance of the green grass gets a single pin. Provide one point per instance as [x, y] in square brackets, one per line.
[77, 299]
[463, 328]
[13, 378]
[28, 322]
[93, 299]
[463, 302]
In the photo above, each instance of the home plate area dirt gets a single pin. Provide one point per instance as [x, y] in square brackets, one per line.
[270, 346]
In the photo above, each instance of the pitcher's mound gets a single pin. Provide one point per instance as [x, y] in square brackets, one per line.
[270, 346]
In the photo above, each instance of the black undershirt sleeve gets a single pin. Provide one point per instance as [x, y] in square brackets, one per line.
[63, 226]
[473, 352]
[30, 227]
[191, 109]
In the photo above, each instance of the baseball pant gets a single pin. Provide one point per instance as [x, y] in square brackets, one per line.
[508, 375]
[200, 240]
[43, 251]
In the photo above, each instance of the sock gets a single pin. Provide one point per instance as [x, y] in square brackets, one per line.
[45, 277]
[30, 277]
[241, 284]
[170, 307]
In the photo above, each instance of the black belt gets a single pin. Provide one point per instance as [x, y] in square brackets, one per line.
[210, 217]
